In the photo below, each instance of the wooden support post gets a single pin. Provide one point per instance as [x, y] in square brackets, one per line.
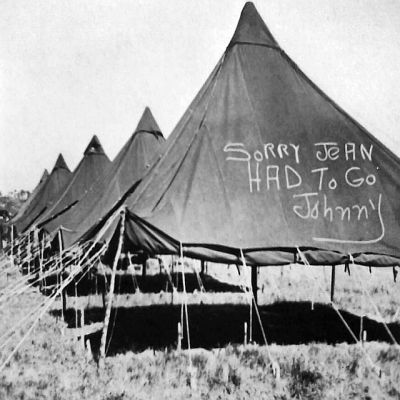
[254, 283]
[82, 328]
[103, 296]
[41, 264]
[245, 334]
[333, 273]
[361, 328]
[18, 256]
[12, 245]
[29, 255]
[61, 277]
[144, 264]
[76, 305]
[203, 267]
[64, 303]
[111, 294]
[253, 309]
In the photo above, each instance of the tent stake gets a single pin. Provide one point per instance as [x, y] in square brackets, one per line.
[180, 336]
[333, 273]
[110, 298]
[89, 352]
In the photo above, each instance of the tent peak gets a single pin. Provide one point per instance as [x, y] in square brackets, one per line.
[147, 123]
[94, 146]
[60, 163]
[251, 29]
[45, 174]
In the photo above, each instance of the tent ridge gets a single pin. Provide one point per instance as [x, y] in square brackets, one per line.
[270, 46]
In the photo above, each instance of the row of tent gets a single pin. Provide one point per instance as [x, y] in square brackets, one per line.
[263, 166]
[71, 202]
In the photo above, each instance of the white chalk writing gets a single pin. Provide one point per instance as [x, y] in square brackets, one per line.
[277, 167]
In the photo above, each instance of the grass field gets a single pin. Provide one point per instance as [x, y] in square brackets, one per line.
[52, 365]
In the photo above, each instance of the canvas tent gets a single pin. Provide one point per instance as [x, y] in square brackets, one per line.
[32, 196]
[262, 164]
[48, 195]
[131, 163]
[92, 167]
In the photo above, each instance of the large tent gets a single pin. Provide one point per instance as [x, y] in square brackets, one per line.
[264, 165]
[32, 197]
[47, 195]
[92, 167]
[131, 163]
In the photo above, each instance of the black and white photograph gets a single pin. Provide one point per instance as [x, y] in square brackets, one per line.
[199, 199]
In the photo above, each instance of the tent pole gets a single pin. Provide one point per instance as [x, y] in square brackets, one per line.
[63, 297]
[12, 245]
[29, 253]
[254, 283]
[41, 264]
[82, 327]
[333, 273]
[111, 295]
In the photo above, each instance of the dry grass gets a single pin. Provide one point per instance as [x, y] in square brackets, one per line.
[52, 366]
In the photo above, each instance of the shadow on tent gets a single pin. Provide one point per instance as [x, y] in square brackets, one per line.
[139, 328]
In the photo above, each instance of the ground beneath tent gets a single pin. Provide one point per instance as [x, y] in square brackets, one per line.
[212, 325]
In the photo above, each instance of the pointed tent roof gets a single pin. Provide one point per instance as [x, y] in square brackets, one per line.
[148, 124]
[60, 163]
[262, 163]
[251, 29]
[131, 163]
[94, 147]
[45, 175]
[47, 195]
[92, 167]
[32, 196]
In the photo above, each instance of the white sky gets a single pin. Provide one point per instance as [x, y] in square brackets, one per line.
[71, 68]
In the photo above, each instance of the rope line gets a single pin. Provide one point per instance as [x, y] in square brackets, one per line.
[253, 300]
[374, 305]
[368, 357]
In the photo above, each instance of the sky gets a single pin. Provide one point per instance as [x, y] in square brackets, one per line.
[70, 69]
